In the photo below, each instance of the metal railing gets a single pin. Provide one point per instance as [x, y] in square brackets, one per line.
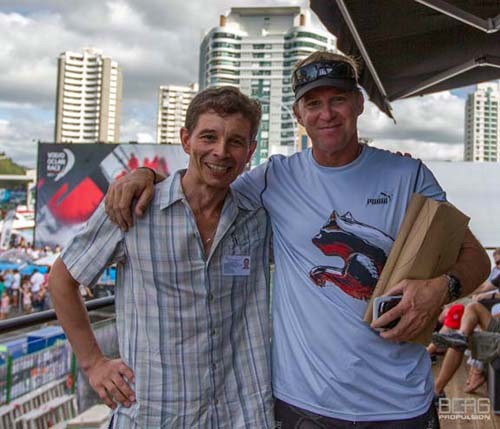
[32, 319]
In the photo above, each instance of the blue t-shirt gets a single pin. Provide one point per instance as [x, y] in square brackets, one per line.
[333, 229]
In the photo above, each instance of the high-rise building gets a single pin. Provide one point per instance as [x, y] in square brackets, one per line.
[482, 125]
[255, 49]
[173, 102]
[89, 95]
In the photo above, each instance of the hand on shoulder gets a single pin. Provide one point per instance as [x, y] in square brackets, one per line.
[119, 200]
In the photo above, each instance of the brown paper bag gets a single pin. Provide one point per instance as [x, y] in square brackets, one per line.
[427, 246]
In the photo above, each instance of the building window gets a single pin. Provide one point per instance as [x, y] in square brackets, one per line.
[226, 36]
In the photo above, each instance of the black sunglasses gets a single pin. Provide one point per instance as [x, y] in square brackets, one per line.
[314, 71]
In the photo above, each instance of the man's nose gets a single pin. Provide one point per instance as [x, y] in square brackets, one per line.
[220, 147]
[327, 112]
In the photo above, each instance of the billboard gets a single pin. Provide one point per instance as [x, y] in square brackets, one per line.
[73, 179]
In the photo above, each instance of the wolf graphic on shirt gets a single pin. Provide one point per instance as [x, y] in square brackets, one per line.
[363, 249]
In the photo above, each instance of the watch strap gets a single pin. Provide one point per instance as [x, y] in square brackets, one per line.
[454, 287]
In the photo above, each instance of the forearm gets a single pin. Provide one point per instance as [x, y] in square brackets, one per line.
[72, 315]
[485, 287]
[473, 265]
[487, 295]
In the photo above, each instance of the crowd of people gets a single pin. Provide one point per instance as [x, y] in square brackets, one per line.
[25, 293]
[479, 311]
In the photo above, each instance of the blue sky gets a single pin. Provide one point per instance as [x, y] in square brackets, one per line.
[156, 43]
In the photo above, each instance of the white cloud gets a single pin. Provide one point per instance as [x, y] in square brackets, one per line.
[17, 139]
[157, 42]
[429, 127]
[427, 151]
[137, 130]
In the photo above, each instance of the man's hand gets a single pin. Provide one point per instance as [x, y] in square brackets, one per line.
[111, 379]
[121, 193]
[422, 301]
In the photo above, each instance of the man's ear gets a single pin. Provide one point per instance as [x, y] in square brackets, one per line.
[185, 140]
[296, 112]
[361, 103]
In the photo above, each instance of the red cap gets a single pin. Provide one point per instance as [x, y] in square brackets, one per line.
[454, 316]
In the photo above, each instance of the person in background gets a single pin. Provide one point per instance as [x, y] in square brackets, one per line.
[451, 317]
[2, 285]
[490, 288]
[86, 292]
[8, 276]
[37, 281]
[27, 303]
[15, 289]
[4, 305]
[475, 316]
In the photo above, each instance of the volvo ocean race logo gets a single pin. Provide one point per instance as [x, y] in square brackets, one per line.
[59, 163]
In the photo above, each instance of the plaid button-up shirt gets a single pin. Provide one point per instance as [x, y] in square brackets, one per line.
[196, 338]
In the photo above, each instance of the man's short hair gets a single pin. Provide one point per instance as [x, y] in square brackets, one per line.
[496, 251]
[226, 100]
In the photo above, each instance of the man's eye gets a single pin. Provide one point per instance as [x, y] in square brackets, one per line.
[338, 99]
[313, 103]
[208, 137]
[238, 143]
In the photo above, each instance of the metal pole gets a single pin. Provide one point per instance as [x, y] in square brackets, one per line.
[8, 386]
[15, 323]
[74, 373]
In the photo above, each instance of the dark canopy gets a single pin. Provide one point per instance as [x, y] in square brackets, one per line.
[416, 47]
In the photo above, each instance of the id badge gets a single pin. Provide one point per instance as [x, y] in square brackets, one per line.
[236, 265]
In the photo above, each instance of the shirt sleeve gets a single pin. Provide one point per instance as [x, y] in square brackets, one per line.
[427, 185]
[494, 277]
[99, 244]
[252, 184]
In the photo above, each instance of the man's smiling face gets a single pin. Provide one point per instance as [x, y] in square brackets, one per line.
[219, 148]
[330, 116]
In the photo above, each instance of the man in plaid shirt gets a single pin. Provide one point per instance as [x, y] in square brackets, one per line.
[192, 291]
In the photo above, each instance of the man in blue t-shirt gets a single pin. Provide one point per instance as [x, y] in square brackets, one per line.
[335, 211]
[491, 286]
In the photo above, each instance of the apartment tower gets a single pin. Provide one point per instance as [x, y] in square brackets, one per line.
[89, 95]
[255, 49]
[482, 126]
[173, 102]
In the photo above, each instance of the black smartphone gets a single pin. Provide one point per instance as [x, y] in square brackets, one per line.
[383, 304]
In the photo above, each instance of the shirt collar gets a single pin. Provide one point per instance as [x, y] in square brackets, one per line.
[171, 192]
[171, 189]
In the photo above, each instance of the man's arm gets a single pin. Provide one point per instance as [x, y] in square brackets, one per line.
[423, 299]
[492, 294]
[139, 184]
[485, 287]
[110, 378]
[121, 193]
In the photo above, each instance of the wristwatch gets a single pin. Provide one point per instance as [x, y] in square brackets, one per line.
[454, 287]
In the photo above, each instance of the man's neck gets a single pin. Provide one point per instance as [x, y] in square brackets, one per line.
[202, 198]
[337, 158]
[206, 204]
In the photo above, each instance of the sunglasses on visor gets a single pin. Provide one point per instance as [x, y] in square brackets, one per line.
[320, 69]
